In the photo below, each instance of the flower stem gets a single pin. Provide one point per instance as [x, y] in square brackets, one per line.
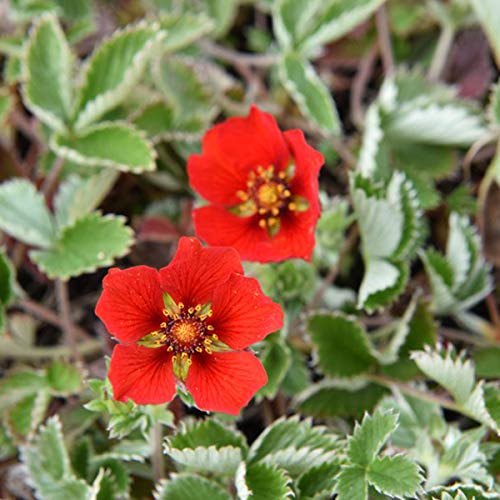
[440, 56]
[156, 442]
[66, 321]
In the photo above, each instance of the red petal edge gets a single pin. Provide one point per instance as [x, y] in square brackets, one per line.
[196, 271]
[243, 315]
[131, 303]
[142, 374]
[225, 382]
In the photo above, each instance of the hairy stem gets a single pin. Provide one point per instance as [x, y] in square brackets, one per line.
[156, 443]
[66, 321]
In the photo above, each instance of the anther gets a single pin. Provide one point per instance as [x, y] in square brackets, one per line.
[262, 223]
[180, 305]
[210, 327]
[292, 206]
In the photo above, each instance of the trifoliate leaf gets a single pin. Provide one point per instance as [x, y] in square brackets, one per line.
[310, 93]
[93, 241]
[369, 437]
[395, 476]
[342, 345]
[352, 483]
[183, 486]
[267, 482]
[489, 17]
[108, 144]
[328, 398]
[183, 29]
[78, 197]
[64, 378]
[24, 215]
[222, 460]
[48, 74]
[113, 71]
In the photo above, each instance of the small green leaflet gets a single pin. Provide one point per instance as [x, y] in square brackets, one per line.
[114, 69]
[109, 144]
[389, 223]
[306, 26]
[264, 482]
[310, 93]
[91, 242]
[183, 29]
[48, 68]
[24, 215]
[460, 278]
[342, 345]
[457, 375]
[184, 486]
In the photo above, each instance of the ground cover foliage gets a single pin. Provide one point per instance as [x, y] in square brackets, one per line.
[383, 381]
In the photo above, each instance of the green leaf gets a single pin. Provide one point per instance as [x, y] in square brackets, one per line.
[352, 483]
[298, 377]
[331, 399]
[455, 374]
[48, 74]
[78, 197]
[276, 358]
[115, 145]
[292, 432]
[160, 121]
[487, 362]
[183, 29]
[184, 486]
[64, 378]
[185, 92]
[396, 476]
[114, 69]
[222, 460]
[19, 385]
[93, 241]
[222, 13]
[24, 215]
[267, 482]
[343, 347]
[489, 17]
[309, 93]
[453, 124]
[7, 278]
[319, 480]
[6, 103]
[309, 26]
[207, 432]
[369, 437]
[49, 466]
[23, 418]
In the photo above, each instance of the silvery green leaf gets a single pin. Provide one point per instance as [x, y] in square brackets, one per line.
[47, 67]
[184, 486]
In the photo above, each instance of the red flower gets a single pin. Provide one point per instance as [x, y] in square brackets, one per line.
[191, 322]
[262, 186]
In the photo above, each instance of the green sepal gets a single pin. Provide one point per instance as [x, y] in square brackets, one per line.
[275, 229]
[245, 209]
[205, 310]
[171, 307]
[301, 203]
[150, 340]
[219, 346]
[180, 365]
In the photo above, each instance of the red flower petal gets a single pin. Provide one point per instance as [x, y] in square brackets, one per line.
[231, 150]
[225, 382]
[131, 303]
[308, 163]
[195, 271]
[142, 374]
[243, 315]
[217, 226]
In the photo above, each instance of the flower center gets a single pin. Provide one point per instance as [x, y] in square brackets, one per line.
[185, 330]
